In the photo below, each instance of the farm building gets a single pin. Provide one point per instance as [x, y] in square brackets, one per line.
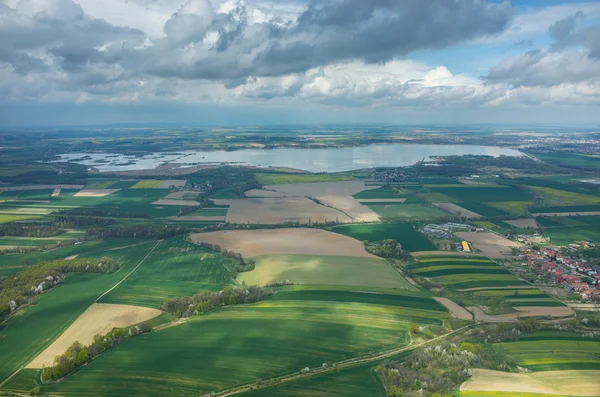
[466, 247]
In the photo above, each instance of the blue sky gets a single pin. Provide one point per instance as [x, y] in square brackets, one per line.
[65, 62]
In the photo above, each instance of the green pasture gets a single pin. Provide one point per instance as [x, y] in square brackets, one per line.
[526, 292]
[175, 268]
[565, 208]
[5, 218]
[279, 179]
[563, 197]
[380, 193]
[36, 327]
[395, 299]
[570, 160]
[360, 381]
[405, 233]
[324, 269]
[567, 235]
[124, 184]
[507, 394]
[210, 212]
[478, 193]
[511, 207]
[239, 344]
[483, 209]
[409, 211]
[549, 352]
[147, 184]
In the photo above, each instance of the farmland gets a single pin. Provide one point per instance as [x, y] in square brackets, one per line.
[258, 341]
[324, 269]
[404, 233]
[26, 335]
[408, 211]
[176, 268]
[462, 273]
[147, 184]
[552, 351]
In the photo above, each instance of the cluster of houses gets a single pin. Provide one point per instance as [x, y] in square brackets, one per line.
[572, 272]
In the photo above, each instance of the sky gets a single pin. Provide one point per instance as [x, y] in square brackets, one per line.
[240, 62]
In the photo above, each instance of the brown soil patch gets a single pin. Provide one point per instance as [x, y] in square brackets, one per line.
[178, 195]
[186, 203]
[569, 382]
[528, 223]
[332, 194]
[585, 306]
[457, 310]
[99, 318]
[280, 210]
[55, 193]
[584, 213]
[490, 244]
[523, 311]
[285, 241]
[95, 192]
[169, 183]
[456, 210]
[68, 258]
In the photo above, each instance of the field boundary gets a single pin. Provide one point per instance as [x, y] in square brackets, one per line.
[131, 272]
[348, 363]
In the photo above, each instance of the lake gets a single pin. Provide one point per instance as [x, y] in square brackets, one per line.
[312, 160]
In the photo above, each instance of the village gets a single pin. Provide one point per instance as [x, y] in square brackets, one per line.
[568, 268]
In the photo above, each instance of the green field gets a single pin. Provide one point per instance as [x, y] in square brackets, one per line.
[147, 184]
[483, 209]
[462, 273]
[279, 179]
[409, 211]
[210, 212]
[564, 208]
[323, 269]
[511, 207]
[361, 381]
[380, 193]
[547, 351]
[507, 394]
[564, 197]
[570, 160]
[4, 218]
[405, 233]
[27, 334]
[125, 185]
[477, 193]
[567, 235]
[240, 344]
[175, 268]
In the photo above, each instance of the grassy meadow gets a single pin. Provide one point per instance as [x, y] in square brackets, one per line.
[405, 233]
[324, 269]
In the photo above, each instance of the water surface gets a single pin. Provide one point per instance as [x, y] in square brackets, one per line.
[313, 160]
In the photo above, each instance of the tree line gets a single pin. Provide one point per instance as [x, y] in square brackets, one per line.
[206, 301]
[242, 265]
[29, 230]
[22, 288]
[104, 212]
[389, 249]
[137, 231]
[78, 355]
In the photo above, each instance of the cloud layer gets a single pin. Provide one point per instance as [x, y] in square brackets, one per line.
[335, 52]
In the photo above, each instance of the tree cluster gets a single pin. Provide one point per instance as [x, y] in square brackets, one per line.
[37, 248]
[202, 203]
[137, 231]
[243, 265]
[22, 288]
[82, 222]
[433, 371]
[78, 355]
[206, 301]
[389, 249]
[29, 230]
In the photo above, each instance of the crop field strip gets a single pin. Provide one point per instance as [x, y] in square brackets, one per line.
[259, 341]
[175, 268]
[401, 210]
[552, 351]
[405, 233]
[26, 335]
[324, 269]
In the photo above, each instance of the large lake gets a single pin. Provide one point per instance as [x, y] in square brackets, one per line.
[313, 160]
